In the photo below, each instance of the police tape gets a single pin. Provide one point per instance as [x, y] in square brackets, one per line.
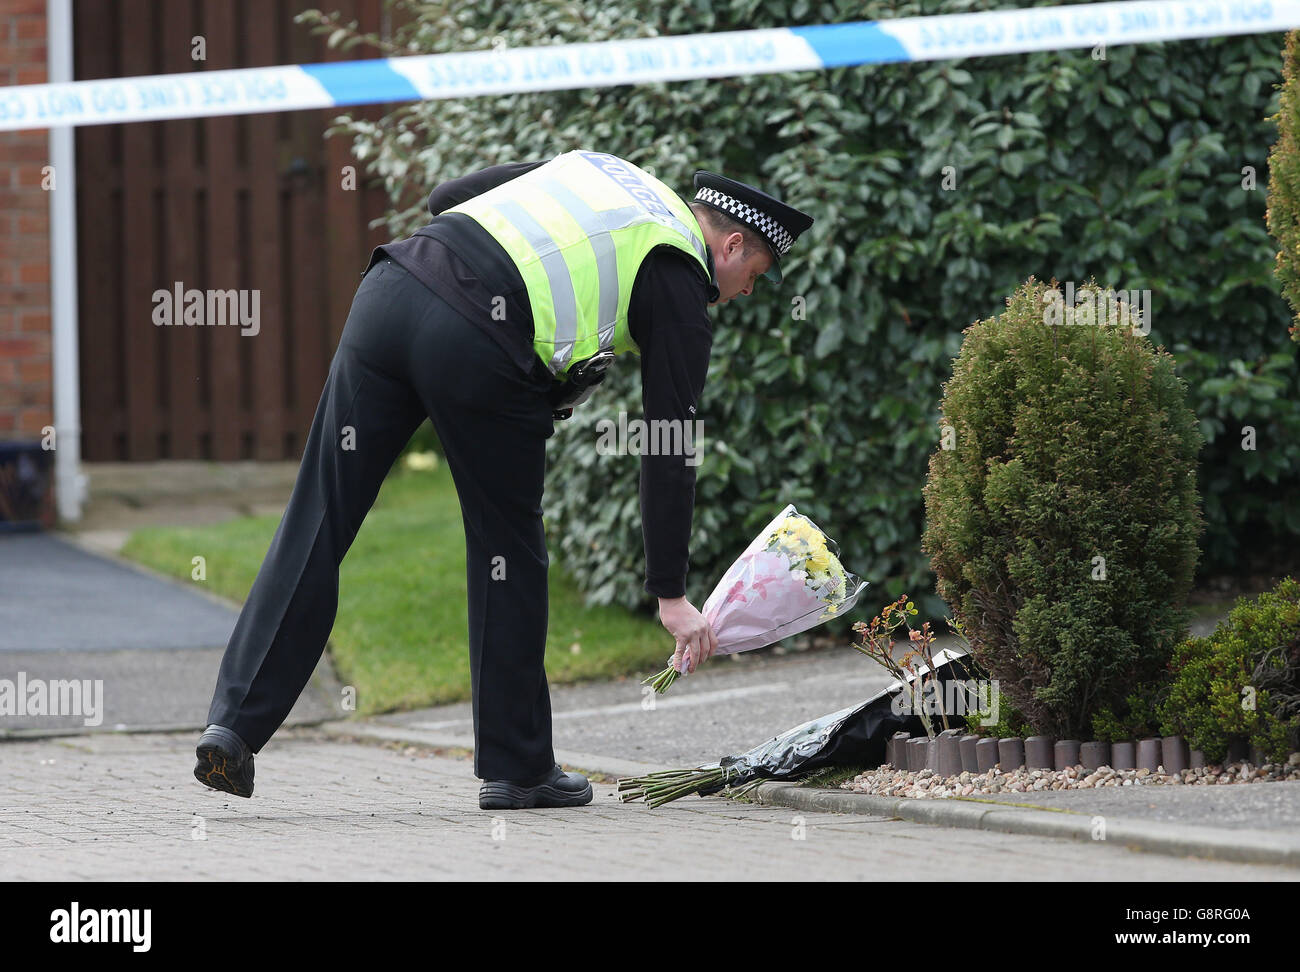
[639, 61]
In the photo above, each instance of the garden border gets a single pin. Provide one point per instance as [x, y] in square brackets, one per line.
[1179, 840]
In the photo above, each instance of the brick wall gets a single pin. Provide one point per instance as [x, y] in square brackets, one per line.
[26, 385]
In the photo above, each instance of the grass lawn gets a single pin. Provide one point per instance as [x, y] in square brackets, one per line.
[400, 636]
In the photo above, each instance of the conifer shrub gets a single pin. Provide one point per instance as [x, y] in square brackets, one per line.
[1062, 508]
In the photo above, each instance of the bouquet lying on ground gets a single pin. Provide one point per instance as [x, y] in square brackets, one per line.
[853, 736]
[788, 579]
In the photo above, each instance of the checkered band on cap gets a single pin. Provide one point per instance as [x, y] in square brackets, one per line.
[776, 234]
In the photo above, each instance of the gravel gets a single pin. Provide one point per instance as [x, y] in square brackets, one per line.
[926, 784]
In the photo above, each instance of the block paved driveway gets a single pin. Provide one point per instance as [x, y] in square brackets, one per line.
[152, 643]
[125, 807]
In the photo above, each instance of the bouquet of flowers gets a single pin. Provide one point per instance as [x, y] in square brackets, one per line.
[853, 736]
[788, 579]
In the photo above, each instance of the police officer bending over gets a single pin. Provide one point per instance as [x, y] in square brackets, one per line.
[492, 321]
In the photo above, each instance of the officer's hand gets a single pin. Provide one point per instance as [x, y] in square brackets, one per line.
[693, 634]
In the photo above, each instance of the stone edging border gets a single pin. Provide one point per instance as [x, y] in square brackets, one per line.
[1180, 840]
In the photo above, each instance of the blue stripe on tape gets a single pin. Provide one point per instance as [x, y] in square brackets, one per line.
[362, 82]
[469, 74]
[859, 42]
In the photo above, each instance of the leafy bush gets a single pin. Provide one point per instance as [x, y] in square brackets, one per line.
[1243, 680]
[1136, 717]
[1284, 179]
[1062, 506]
[937, 188]
[1008, 725]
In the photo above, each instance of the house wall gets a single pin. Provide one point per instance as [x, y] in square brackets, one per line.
[26, 386]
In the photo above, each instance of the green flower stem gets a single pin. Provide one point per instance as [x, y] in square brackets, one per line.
[686, 790]
[661, 680]
[656, 789]
[664, 786]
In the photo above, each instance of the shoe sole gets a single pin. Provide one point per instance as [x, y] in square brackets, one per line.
[213, 770]
[507, 796]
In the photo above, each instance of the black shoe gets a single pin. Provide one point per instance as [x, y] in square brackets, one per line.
[225, 762]
[556, 789]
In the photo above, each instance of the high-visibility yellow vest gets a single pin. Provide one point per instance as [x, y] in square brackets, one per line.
[578, 229]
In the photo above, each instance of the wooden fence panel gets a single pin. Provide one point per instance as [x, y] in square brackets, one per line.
[247, 203]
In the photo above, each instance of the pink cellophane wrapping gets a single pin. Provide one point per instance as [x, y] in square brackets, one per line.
[763, 598]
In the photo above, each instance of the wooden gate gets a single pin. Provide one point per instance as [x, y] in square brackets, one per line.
[251, 202]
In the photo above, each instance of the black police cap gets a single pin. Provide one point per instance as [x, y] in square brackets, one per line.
[778, 224]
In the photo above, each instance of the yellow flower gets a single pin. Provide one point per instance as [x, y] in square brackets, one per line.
[810, 556]
[819, 561]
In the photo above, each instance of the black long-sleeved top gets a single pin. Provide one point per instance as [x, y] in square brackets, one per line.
[668, 318]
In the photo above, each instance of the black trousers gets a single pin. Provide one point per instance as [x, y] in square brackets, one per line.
[406, 354]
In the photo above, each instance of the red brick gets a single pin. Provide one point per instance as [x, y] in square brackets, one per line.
[35, 369]
[32, 421]
[32, 53]
[30, 296]
[30, 8]
[29, 28]
[17, 347]
[34, 272]
[23, 199]
[21, 253]
[30, 177]
[34, 322]
[25, 150]
[26, 387]
[36, 394]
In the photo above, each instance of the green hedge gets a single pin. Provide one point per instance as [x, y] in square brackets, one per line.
[1128, 169]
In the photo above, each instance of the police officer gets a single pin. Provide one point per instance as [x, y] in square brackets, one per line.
[492, 321]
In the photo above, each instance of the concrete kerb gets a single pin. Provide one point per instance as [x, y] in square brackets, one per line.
[588, 762]
[1180, 840]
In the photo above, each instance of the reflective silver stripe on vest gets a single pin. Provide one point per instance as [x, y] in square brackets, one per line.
[557, 275]
[597, 226]
[695, 240]
[598, 160]
[623, 217]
